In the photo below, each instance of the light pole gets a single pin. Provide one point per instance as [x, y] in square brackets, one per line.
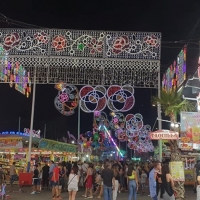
[79, 128]
[31, 124]
[160, 117]
[19, 124]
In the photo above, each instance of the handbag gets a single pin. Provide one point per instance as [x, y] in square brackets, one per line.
[71, 180]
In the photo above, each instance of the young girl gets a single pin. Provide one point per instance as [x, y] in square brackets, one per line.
[89, 181]
[73, 183]
[132, 182]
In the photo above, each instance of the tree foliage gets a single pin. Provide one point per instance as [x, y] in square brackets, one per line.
[172, 103]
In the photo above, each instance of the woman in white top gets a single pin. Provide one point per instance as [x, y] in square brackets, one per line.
[73, 183]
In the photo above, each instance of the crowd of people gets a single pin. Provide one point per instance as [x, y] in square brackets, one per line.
[104, 179]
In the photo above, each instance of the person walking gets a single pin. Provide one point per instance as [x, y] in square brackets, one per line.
[64, 175]
[152, 180]
[125, 177]
[143, 181]
[51, 169]
[132, 182]
[35, 179]
[39, 183]
[117, 179]
[13, 174]
[167, 184]
[73, 183]
[45, 175]
[108, 181]
[55, 182]
[89, 181]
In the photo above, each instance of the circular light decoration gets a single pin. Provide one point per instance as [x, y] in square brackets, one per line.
[92, 98]
[120, 98]
[101, 119]
[117, 122]
[134, 124]
[67, 99]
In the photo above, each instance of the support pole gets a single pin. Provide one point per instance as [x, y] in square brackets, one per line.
[79, 125]
[31, 124]
[19, 124]
[45, 129]
[159, 117]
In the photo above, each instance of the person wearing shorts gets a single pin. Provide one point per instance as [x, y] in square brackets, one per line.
[55, 182]
[73, 183]
[35, 179]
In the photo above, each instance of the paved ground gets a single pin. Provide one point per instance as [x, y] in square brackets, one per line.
[46, 195]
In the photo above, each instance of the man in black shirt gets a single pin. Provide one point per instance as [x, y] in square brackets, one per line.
[45, 175]
[35, 179]
[108, 181]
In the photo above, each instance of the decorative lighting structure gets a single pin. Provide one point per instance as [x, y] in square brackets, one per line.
[84, 57]
[110, 137]
[14, 74]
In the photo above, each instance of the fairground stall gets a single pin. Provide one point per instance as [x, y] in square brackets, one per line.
[189, 143]
[14, 148]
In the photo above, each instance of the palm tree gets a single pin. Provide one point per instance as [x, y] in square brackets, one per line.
[172, 104]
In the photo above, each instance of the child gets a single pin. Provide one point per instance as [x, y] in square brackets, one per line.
[143, 181]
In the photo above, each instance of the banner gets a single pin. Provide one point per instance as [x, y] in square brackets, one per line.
[185, 146]
[11, 143]
[177, 171]
[164, 135]
[189, 177]
[57, 146]
[190, 126]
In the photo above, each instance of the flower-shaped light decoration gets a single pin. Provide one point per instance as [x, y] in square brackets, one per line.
[96, 46]
[132, 130]
[11, 41]
[41, 37]
[134, 124]
[152, 41]
[67, 99]
[59, 43]
[92, 98]
[120, 44]
[120, 98]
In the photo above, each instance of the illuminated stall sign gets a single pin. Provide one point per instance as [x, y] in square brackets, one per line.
[164, 135]
[36, 134]
[11, 143]
[57, 146]
[176, 73]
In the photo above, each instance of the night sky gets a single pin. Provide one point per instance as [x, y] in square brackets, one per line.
[175, 19]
